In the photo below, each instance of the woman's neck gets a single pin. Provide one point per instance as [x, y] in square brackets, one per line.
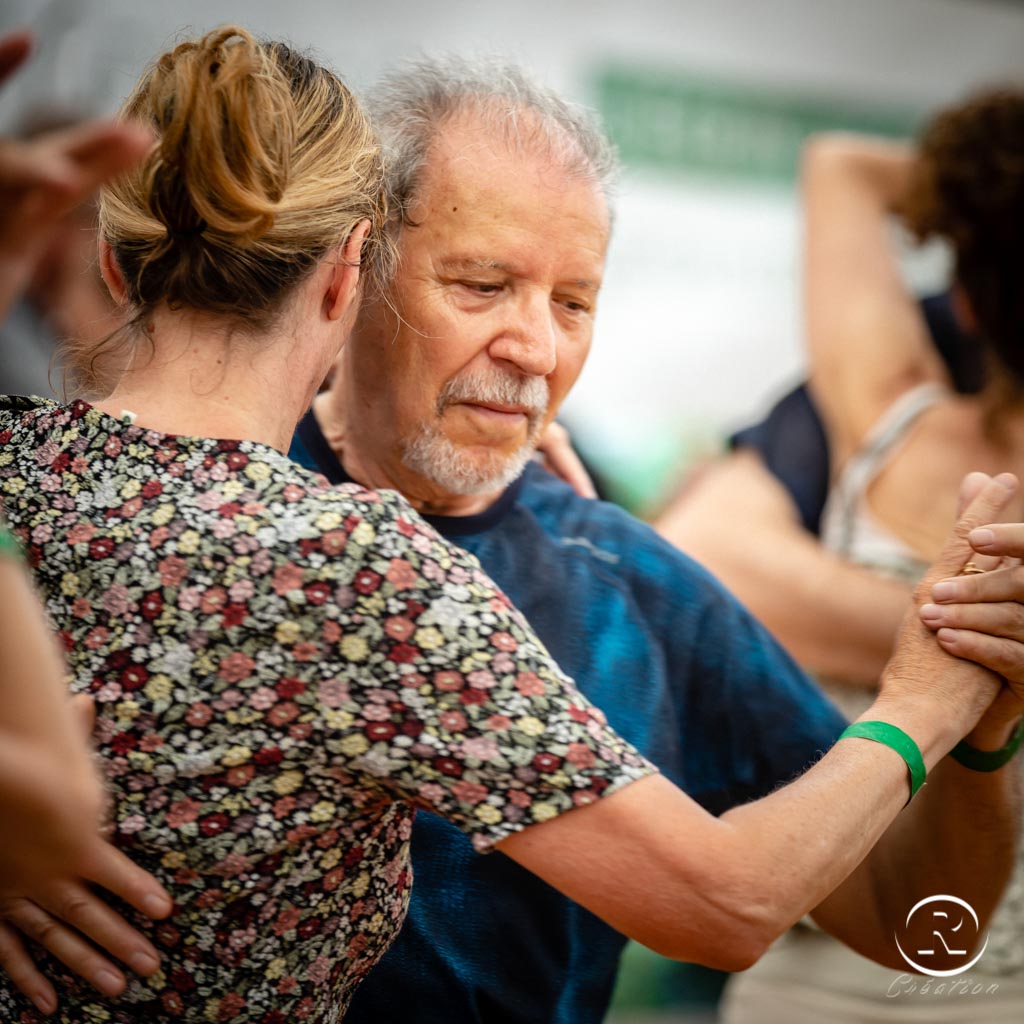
[189, 375]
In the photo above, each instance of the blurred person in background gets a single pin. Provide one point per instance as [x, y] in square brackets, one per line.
[73, 79]
[65, 301]
[50, 795]
[778, 472]
[899, 436]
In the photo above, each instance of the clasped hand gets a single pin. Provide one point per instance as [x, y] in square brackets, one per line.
[979, 617]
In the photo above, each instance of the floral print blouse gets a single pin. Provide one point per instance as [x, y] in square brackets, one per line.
[283, 671]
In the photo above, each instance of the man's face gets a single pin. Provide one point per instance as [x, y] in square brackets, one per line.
[494, 306]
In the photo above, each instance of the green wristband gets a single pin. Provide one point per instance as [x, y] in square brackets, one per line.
[896, 739]
[988, 760]
[9, 544]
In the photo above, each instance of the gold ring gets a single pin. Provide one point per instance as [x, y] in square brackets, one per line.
[970, 569]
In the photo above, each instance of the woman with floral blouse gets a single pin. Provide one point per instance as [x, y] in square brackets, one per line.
[284, 671]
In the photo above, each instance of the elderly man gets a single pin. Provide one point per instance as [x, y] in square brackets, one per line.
[444, 389]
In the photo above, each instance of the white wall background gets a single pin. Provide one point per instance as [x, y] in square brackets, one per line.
[699, 319]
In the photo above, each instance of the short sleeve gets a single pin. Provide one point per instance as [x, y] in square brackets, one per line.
[442, 695]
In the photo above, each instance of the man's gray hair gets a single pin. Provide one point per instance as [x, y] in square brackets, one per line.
[410, 107]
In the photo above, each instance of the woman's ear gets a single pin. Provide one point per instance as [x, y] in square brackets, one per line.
[343, 289]
[111, 273]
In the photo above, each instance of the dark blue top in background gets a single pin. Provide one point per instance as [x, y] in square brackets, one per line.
[679, 668]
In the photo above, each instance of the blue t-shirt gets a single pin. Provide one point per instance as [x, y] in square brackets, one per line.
[680, 669]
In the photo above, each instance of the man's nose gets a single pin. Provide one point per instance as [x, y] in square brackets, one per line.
[528, 337]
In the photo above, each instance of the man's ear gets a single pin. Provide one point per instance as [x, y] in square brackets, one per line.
[111, 273]
[343, 288]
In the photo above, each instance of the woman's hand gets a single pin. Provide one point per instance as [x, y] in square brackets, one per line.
[559, 458]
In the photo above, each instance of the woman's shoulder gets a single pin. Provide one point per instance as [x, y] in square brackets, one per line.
[961, 432]
[915, 492]
[308, 493]
[349, 521]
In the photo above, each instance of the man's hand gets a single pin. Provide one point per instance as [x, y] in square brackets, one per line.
[43, 178]
[63, 914]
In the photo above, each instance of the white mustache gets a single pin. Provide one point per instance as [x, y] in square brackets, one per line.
[531, 393]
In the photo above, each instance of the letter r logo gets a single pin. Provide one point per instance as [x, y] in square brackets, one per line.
[941, 925]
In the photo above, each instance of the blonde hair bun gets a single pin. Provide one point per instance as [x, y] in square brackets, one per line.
[264, 161]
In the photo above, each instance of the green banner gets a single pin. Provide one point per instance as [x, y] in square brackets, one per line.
[673, 121]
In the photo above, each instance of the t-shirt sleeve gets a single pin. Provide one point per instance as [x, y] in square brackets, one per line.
[441, 694]
[747, 718]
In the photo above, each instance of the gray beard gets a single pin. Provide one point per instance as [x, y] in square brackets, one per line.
[430, 454]
[434, 457]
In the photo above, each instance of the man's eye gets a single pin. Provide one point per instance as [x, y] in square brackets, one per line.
[482, 287]
[573, 306]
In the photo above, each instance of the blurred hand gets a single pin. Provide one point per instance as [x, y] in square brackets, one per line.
[560, 459]
[62, 914]
[58, 910]
[43, 178]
